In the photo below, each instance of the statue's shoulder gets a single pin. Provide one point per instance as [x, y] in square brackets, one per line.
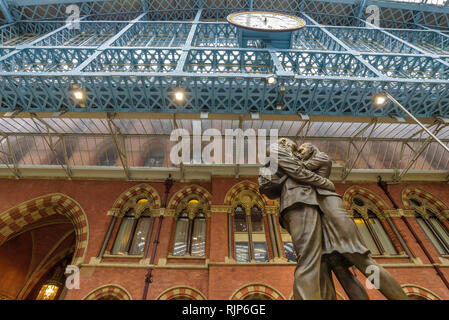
[323, 157]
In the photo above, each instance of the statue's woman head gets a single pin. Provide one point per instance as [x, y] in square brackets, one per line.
[307, 150]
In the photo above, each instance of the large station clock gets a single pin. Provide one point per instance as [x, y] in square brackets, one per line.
[266, 21]
[269, 29]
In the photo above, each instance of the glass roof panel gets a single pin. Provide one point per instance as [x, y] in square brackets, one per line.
[88, 142]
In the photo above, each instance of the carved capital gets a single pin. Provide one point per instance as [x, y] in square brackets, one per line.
[445, 214]
[114, 212]
[169, 213]
[220, 208]
[397, 213]
[272, 210]
[140, 209]
[158, 212]
[94, 260]
[382, 215]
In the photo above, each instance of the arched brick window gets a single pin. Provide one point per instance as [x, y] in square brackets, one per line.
[257, 291]
[252, 227]
[134, 213]
[134, 228]
[369, 212]
[181, 293]
[366, 218]
[190, 231]
[428, 213]
[191, 206]
[419, 293]
[250, 239]
[109, 292]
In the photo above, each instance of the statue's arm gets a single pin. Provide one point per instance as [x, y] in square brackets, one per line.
[317, 161]
[290, 166]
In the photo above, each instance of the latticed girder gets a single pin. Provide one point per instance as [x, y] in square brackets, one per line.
[138, 65]
[332, 12]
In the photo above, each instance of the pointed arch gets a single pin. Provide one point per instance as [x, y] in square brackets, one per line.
[181, 292]
[143, 189]
[415, 290]
[367, 210]
[351, 192]
[257, 288]
[28, 212]
[193, 189]
[234, 191]
[408, 192]
[109, 290]
[35, 277]
[431, 214]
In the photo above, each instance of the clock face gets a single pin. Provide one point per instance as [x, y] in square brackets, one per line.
[266, 21]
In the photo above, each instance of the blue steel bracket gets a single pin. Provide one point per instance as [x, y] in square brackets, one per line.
[5, 10]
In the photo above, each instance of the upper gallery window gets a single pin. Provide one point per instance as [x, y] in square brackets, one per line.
[154, 158]
[108, 158]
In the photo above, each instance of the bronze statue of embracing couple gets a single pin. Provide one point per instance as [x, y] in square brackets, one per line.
[324, 236]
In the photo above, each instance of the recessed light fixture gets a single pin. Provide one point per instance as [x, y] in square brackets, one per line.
[179, 95]
[271, 79]
[78, 94]
[379, 99]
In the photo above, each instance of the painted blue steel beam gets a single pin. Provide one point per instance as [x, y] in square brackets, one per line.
[187, 45]
[356, 56]
[322, 74]
[105, 45]
[5, 10]
[338, 9]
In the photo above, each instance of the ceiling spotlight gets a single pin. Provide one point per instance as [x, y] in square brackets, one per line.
[179, 95]
[380, 99]
[78, 94]
[271, 79]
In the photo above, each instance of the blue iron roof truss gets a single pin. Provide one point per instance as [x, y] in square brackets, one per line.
[131, 56]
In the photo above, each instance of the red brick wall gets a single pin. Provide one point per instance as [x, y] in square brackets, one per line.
[218, 281]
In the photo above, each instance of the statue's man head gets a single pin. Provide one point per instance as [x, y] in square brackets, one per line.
[287, 143]
[306, 150]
